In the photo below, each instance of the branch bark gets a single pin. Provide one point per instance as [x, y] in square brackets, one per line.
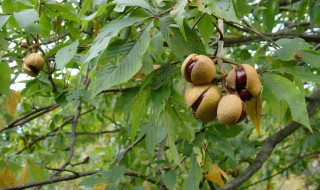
[269, 144]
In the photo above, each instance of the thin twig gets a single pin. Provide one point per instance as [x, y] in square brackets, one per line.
[28, 117]
[128, 148]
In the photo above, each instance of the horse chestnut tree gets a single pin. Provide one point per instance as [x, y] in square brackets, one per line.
[155, 94]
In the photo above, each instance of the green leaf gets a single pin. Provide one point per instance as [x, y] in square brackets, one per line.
[130, 65]
[139, 3]
[3, 19]
[178, 15]
[227, 132]
[169, 179]
[65, 54]
[269, 14]
[206, 28]
[176, 41]
[310, 57]
[195, 175]
[85, 7]
[107, 33]
[171, 135]
[139, 111]
[313, 10]
[300, 72]
[26, 20]
[92, 181]
[289, 48]
[221, 144]
[220, 8]
[5, 76]
[185, 131]
[115, 174]
[284, 89]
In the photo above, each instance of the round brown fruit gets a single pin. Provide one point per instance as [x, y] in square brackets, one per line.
[245, 80]
[198, 69]
[33, 64]
[231, 110]
[204, 101]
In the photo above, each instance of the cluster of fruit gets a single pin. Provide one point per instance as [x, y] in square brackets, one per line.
[205, 98]
[33, 64]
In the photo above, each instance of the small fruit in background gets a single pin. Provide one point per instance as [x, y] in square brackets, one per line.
[231, 110]
[245, 80]
[33, 64]
[204, 101]
[198, 69]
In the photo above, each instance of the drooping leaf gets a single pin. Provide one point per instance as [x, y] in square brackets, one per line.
[3, 19]
[65, 54]
[24, 176]
[139, 111]
[140, 3]
[284, 89]
[289, 48]
[7, 178]
[177, 42]
[107, 33]
[85, 7]
[5, 76]
[310, 57]
[112, 75]
[269, 14]
[220, 8]
[228, 132]
[26, 20]
[171, 136]
[215, 175]
[178, 15]
[206, 28]
[300, 72]
[194, 177]
[254, 110]
[184, 130]
[12, 102]
[169, 179]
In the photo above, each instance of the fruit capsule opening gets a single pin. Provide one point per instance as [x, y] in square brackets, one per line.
[243, 113]
[189, 69]
[241, 77]
[197, 103]
[244, 94]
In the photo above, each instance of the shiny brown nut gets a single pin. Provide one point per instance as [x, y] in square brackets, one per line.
[33, 64]
[198, 69]
[245, 80]
[231, 110]
[204, 101]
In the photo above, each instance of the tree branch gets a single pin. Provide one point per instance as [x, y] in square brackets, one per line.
[76, 175]
[28, 117]
[128, 148]
[242, 40]
[283, 170]
[269, 144]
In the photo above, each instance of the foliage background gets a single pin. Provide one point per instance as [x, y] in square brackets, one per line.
[103, 108]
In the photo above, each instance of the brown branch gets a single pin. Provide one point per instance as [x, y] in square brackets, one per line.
[76, 175]
[242, 40]
[28, 117]
[284, 169]
[269, 144]
[54, 39]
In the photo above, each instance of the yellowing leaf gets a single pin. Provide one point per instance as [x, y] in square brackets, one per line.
[7, 178]
[100, 187]
[24, 176]
[12, 102]
[215, 175]
[1, 123]
[254, 109]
